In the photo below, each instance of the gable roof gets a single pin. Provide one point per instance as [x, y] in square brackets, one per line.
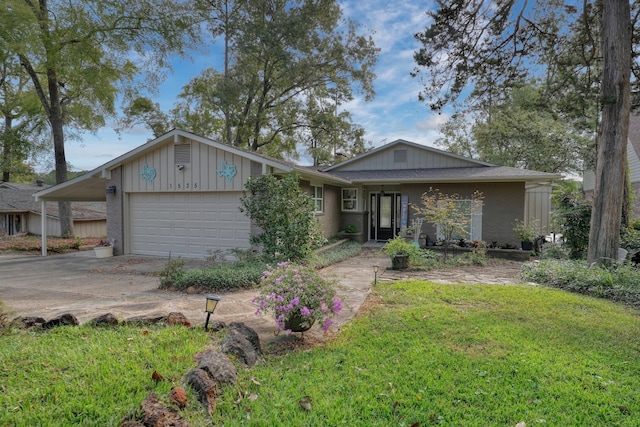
[18, 198]
[398, 142]
[91, 186]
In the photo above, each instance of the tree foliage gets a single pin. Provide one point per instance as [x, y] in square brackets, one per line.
[289, 65]
[80, 54]
[579, 53]
[449, 212]
[285, 215]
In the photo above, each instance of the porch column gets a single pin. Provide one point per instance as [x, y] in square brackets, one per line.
[43, 226]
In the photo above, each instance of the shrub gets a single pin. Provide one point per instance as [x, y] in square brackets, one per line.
[618, 283]
[554, 251]
[220, 277]
[290, 290]
[285, 214]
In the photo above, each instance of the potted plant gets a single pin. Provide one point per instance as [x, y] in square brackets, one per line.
[526, 233]
[104, 249]
[399, 250]
[298, 296]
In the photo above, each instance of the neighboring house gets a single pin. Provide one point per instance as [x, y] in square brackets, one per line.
[633, 160]
[19, 213]
[179, 194]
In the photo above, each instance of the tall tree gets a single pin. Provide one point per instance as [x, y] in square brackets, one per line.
[490, 47]
[286, 62]
[22, 130]
[522, 130]
[606, 216]
[79, 53]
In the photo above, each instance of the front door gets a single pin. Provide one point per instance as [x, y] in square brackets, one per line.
[384, 215]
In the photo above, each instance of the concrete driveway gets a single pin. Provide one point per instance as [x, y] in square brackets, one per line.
[127, 286]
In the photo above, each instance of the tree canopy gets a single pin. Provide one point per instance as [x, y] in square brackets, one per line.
[289, 65]
[79, 55]
[475, 53]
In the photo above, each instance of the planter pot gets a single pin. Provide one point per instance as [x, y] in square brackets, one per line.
[298, 324]
[103, 251]
[526, 246]
[400, 262]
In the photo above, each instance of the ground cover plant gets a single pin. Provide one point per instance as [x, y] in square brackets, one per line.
[91, 376]
[618, 282]
[243, 274]
[454, 355]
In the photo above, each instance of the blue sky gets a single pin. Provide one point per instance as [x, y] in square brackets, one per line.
[394, 113]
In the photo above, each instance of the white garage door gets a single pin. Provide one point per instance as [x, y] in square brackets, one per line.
[186, 224]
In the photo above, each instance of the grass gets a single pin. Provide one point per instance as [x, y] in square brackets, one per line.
[90, 376]
[456, 355]
[472, 355]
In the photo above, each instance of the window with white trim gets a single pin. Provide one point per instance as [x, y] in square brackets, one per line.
[473, 230]
[318, 197]
[349, 199]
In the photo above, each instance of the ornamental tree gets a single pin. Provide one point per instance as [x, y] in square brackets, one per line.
[449, 212]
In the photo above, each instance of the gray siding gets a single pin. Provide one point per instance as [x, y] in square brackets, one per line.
[414, 158]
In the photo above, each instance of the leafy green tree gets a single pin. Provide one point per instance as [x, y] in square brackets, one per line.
[22, 131]
[285, 215]
[489, 48]
[289, 65]
[79, 54]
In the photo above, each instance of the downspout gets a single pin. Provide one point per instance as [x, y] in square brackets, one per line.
[43, 226]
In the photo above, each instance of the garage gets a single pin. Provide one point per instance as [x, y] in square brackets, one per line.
[186, 224]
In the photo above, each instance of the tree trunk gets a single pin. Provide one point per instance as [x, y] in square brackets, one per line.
[611, 163]
[56, 121]
[6, 149]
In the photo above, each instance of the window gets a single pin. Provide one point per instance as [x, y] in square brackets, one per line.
[473, 228]
[349, 199]
[317, 196]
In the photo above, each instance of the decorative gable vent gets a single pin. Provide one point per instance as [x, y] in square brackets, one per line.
[400, 156]
[182, 154]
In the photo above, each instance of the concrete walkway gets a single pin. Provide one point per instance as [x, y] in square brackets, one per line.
[127, 286]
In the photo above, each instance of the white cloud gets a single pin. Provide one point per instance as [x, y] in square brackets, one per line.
[394, 113]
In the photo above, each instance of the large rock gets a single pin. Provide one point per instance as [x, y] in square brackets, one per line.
[177, 318]
[204, 386]
[218, 366]
[248, 333]
[236, 344]
[105, 320]
[66, 319]
[154, 414]
[145, 320]
[29, 321]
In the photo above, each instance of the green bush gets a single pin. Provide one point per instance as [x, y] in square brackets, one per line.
[285, 214]
[220, 277]
[630, 240]
[554, 251]
[619, 283]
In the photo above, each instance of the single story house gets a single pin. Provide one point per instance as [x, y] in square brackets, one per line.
[19, 213]
[179, 194]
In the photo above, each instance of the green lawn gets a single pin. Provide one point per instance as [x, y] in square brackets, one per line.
[421, 353]
[458, 355]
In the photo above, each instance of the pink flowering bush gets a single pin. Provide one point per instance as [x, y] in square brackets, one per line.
[290, 290]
